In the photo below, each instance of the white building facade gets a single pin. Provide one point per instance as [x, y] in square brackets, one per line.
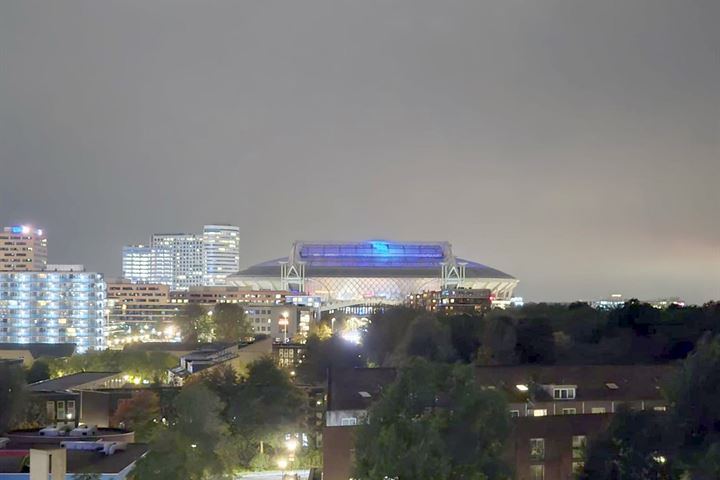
[186, 252]
[147, 264]
[221, 253]
[63, 304]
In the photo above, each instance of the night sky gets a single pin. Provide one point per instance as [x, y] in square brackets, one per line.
[574, 144]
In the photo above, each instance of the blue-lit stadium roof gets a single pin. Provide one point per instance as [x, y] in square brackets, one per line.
[374, 258]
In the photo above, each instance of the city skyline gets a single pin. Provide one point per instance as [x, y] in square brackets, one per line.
[573, 145]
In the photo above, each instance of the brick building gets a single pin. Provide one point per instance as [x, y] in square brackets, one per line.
[555, 410]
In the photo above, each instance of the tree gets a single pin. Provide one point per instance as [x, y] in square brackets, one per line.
[498, 341]
[635, 447]
[259, 408]
[195, 445]
[535, 341]
[13, 395]
[39, 370]
[426, 337]
[386, 331]
[434, 422]
[231, 324]
[194, 323]
[694, 395]
[140, 413]
[321, 355]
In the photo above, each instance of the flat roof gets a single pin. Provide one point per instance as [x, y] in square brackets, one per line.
[83, 461]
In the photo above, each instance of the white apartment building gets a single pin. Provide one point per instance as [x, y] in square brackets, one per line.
[147, 264]
[221, 253]
[186, 251]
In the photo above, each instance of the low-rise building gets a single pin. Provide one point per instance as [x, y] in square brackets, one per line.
[140, 311]
[451, 301]
[555, 410]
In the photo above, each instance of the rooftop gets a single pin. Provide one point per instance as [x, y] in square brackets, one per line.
[69, 382]
[80, 461]
[37, 350]
[356, 389]
[372, 258]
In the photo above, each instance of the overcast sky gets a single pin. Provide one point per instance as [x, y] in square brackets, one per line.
[574, 144]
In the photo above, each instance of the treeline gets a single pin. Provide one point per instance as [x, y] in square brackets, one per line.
[542, 334]
[221, 423]
[680, 444]
[146, 367]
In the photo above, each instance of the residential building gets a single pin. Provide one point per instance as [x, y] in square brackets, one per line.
[225, 294]
[453, 301]
[281, 322]
[140, 312]
[105, 454]
[63, 304]
[23, 248]
[555, 410]
[221, 253]
[147, 264]
[186, 251]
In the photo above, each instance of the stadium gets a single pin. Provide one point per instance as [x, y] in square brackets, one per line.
[372, 272]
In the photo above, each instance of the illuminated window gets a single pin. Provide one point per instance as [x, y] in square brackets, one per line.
[537, 448]
[514, 413]
[598, 410]
[537, 472]
[539, 412]
[564, 393]
[61, 409]
[348, 421]
[578, 447]
[569, 411]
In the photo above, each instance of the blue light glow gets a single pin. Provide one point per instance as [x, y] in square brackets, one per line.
[17, 229]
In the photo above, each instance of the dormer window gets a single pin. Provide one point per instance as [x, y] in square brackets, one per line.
[564, 393]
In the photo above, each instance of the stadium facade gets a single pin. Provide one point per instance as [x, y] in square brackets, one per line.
[372, 272]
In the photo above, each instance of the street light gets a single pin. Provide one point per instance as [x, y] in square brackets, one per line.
[284, 322]
[282, 465]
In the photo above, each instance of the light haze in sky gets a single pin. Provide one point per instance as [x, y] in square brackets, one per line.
[574, 144]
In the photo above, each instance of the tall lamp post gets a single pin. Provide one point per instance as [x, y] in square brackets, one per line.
[284, 322]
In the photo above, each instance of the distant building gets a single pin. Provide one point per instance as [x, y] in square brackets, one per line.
[63, 304]
[224, 294]
[221, 253]
[186, 251]
[375, 272]
[555, 410]
[281, 322]
[142, 311]
[23, 248]
[147, 264]
[454, 301]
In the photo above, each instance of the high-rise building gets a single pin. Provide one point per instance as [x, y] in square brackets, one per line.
[186, 251]
[221, 255]
[23, 248]
[147, 264]
[62, 304]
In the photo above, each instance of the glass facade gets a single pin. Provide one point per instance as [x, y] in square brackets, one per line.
[53, 307]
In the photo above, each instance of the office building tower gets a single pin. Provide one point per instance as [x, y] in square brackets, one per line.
[63, 304]
[221, 254]
[147, 264]
[23, 248]
[186, 251]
